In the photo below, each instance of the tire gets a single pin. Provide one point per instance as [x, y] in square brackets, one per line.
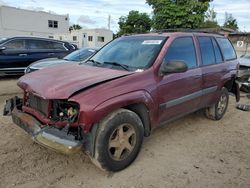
[218, 110]
[118, 140]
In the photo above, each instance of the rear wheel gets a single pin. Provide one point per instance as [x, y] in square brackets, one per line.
[217, 111]
[118, 141]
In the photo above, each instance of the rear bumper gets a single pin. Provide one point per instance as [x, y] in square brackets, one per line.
[47, 136]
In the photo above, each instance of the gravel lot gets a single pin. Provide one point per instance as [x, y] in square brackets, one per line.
[190, 152]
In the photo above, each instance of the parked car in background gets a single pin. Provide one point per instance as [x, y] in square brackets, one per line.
[76, 56]
[244, 73]
[19, 52]
[129, 87]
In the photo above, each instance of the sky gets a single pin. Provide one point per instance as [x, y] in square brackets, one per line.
[95, 13]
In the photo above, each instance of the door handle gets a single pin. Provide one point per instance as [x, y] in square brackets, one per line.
[51, 53]
[22, 55]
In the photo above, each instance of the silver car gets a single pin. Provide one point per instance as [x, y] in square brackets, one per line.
[76, 56]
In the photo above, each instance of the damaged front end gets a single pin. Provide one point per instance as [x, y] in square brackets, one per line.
[53, 124]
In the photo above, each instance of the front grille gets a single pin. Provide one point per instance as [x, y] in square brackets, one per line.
[38, 104]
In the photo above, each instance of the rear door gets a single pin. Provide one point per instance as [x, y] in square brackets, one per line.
[180, 93]
[14, 57]
[213, 69]
[39, 49]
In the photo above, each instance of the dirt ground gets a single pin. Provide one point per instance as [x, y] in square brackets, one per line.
[190, 152]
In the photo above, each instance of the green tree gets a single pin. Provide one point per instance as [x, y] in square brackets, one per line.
[210, 19]
[178, 13]
[75, 27]
[135, 22]
[230, 22]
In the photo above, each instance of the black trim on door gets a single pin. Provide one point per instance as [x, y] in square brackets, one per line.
[186, 98]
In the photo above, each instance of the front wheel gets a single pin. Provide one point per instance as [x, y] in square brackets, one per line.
[118, 140]
[217, 111]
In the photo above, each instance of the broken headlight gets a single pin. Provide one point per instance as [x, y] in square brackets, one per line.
[63, 110]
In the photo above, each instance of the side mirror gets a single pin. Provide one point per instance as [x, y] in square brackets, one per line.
[2, 48]
[175, 66]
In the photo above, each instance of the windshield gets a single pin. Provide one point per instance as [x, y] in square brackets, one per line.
[134, 52]
[80, 55]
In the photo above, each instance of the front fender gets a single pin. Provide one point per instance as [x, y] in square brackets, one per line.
[106, 107]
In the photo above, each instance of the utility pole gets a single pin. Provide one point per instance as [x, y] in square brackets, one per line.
[109, 21]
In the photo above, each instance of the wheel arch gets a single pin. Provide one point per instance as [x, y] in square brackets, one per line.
[139, 102]
[142, 111]
[232, 86]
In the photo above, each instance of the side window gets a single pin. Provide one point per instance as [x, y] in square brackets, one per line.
[182, 49]
[38, 44]
[15, 44]
[207, 50]
[217, 52]
[57, 46]
[227, 48]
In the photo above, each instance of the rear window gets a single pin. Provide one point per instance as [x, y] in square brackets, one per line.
[227, 48]
[57, 46]
[217, 51]
[38, 44]
[207, 50]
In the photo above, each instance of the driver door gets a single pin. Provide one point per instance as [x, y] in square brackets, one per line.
[14, 56]
[180, 93]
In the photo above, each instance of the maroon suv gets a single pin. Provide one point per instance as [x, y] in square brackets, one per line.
[106, 105]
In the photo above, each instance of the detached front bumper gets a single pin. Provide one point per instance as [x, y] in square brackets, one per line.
[48, 136]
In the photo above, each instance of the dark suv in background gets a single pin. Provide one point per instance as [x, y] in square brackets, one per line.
[19, 52]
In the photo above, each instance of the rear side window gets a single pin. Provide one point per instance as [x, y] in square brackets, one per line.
[38, 44]
[182, 49]
[227, 48]
[207, 50]
[217, 52]
[57, 46]
[15, 44]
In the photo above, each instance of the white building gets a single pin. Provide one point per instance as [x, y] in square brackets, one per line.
[93, 38]
[20, 22]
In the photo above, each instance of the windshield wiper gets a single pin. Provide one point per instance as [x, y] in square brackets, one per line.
[92, 61]
[125, 67]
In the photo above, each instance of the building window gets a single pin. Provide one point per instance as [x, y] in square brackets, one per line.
[53, 23]
[90, 38]
[100, 39]
[74, 38]
[60, 38]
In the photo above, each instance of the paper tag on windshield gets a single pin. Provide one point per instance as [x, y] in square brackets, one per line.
[152, 42]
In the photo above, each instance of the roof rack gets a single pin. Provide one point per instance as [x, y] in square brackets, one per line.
[212, 31]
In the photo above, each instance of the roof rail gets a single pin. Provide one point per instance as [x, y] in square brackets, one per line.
[212, 31]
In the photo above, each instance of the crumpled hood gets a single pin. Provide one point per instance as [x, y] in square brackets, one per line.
[60, 82]
[48, 63]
